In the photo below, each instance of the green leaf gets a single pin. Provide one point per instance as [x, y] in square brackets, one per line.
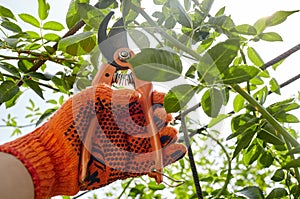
[11, 26]
[278, 175]
[217, 59]
[252, 192]
[34, 86]
[39, 75]
[52, 101]
[294, 150]
[73, 16]
[178, 97]
[17, 131]
[45, 115]
[51, 37]
[12, 101]
[156, 65]
[261, 95]
[32, 35]
[5, 12]
[243, 142]
[205, 45]
[222, 23]
[180, 14]
[159, 2]
[191, 71]
[277, 193]
[8, 89]
[274, 66]
[279, 17]
[43, 9]
[30, 19]
[53, 25]
[283, 106]
[205, 6]
[270, 36]
[79, 44]
[61, 100]
[242, 123]
[12, 42]
[257, 81]
[10, 68]
[274, 86]
[266, 159]
[91, 15]
[238, 74]
[33, 46]
[217, 120]
[238, 103]
[187, 4]
[292, 163]
[252, 153]
[103, 4]
[170, 22]
[260, 25]
[244, 29]
[129, 14]
[269, 137]
[220, 12]
[154, 186]
[139, 38]
[285, 117]
[212, 101]
[254, 57]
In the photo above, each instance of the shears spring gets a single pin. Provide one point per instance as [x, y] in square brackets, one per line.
[123, 79]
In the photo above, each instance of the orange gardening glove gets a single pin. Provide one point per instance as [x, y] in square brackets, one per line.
[119, 149]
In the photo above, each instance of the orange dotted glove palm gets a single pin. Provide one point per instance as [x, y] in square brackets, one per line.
[120, 146]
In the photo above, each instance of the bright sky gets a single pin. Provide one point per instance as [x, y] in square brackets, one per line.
[242, 11]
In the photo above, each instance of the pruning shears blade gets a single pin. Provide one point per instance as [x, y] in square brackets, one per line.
[114, 40]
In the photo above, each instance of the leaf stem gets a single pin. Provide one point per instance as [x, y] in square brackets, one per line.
[281, 130]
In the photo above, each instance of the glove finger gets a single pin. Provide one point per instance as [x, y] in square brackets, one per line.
[161, 113]
[158, 97]
[168, 135]
[172, 153]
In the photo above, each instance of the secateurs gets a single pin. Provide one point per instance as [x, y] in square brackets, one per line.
[118, 71]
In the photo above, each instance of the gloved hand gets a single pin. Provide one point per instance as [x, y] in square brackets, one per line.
[120, 146]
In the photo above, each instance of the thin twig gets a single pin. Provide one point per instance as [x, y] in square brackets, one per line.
[288, 82]
[281, 57]
[19, 126]
[48, 86]
[178, 117]
[127, 185]
[228, 176]
[78, 196]
[191, 157]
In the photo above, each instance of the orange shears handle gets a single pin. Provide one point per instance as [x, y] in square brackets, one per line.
[145, 89]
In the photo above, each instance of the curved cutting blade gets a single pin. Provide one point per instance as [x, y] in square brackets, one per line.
[114, 40]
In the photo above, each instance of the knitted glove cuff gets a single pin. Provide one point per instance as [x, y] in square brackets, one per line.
[31, 152]
[48, 157]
